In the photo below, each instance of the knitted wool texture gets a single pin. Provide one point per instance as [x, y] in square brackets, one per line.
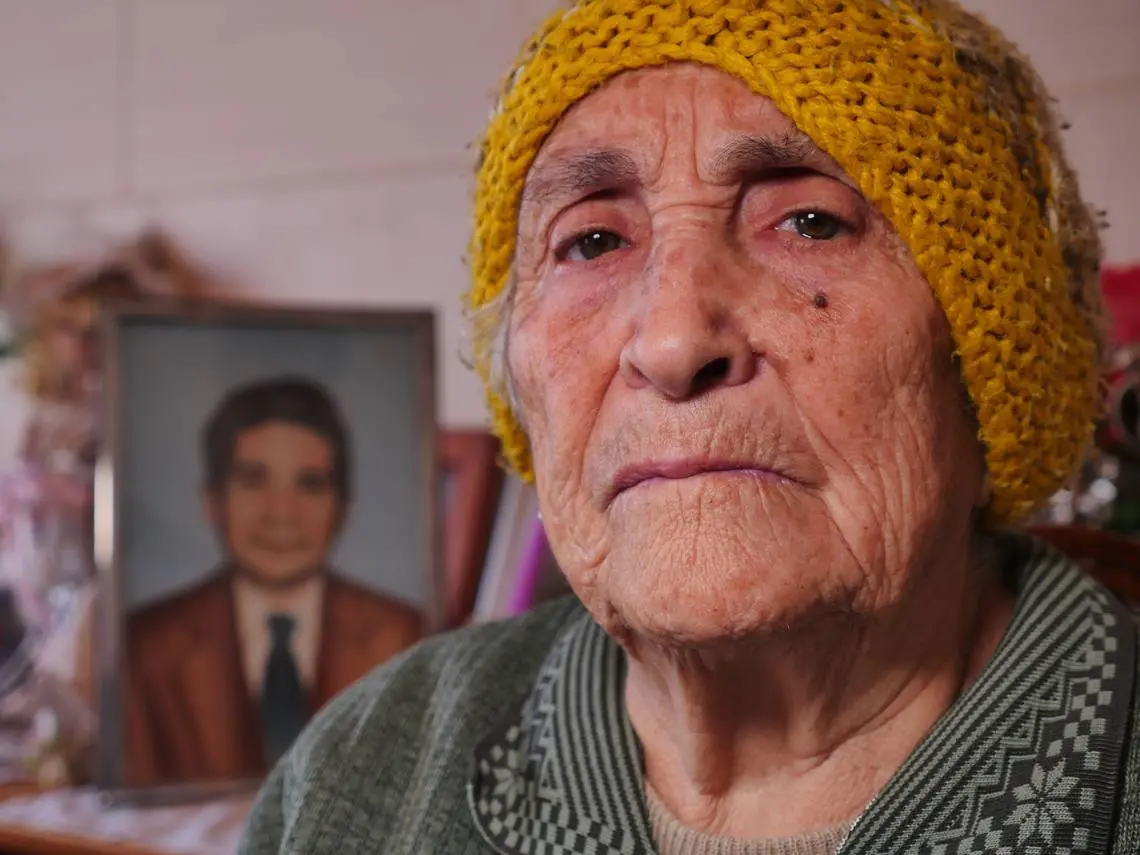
[946, 131]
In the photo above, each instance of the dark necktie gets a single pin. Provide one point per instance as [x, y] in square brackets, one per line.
[283, 702]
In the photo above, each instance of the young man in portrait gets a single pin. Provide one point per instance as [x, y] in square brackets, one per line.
[221, 677]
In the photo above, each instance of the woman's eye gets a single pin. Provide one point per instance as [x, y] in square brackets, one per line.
[591, 245]
[813, 225]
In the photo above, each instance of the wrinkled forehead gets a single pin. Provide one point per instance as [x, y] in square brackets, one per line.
[643, 125]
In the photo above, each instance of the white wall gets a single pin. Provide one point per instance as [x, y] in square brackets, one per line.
[316, 150]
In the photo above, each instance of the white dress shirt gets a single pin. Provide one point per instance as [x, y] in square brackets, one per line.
[253, 606]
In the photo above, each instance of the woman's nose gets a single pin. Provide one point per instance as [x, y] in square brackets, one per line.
[687, 341]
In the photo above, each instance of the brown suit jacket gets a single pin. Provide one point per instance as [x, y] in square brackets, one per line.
[189, 714]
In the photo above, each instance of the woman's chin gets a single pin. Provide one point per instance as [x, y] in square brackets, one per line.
[696, 615]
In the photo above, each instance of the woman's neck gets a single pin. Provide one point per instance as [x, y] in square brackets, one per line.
[796, 730]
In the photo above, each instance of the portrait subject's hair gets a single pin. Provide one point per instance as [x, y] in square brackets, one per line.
[293, 400]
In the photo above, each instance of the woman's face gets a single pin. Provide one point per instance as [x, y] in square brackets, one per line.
[739, 389]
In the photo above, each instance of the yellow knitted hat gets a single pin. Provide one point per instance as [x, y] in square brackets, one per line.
[945, 129]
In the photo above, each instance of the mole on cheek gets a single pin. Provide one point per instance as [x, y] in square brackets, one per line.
[820, 301]
[809, 357]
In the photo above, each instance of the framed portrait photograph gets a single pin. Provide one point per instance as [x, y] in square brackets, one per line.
[266, 529]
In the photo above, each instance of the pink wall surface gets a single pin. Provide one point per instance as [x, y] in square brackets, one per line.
[318, 151]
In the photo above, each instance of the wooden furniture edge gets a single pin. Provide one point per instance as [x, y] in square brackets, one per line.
[29, 840]
[26, 839]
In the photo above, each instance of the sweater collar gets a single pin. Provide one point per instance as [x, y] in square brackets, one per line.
[1029, 758]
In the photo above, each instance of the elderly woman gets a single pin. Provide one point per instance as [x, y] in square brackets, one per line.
[790, 309]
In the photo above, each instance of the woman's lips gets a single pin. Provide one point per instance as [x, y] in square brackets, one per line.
[638, 474]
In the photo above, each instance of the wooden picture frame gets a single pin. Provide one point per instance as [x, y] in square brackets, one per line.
[293, 454]
[469, 460]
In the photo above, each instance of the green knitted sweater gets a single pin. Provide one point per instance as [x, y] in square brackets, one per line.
[512, 738]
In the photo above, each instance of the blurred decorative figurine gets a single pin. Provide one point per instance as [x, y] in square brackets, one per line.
[46, 492]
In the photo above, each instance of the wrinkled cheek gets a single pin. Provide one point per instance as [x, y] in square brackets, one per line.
[532, 377]
[559, 386]
[559, 362]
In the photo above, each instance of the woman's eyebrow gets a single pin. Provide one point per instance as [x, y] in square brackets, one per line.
[578, 173]
[746, 155]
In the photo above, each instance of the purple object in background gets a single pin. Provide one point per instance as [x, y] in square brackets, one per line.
[529, 571]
